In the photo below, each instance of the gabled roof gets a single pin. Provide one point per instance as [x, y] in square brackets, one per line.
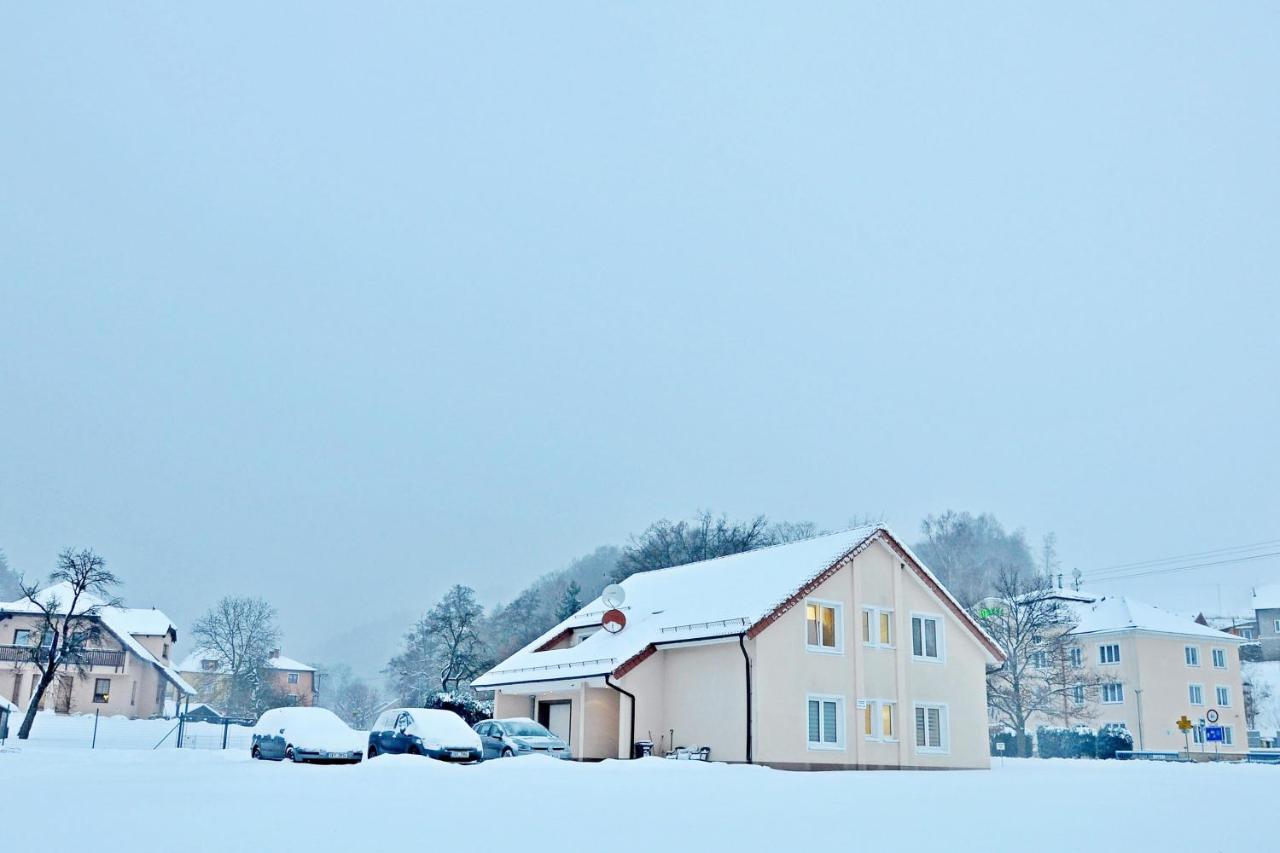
[1114, 613]
[721, 597]
[194, 663]
[117, 620]
[1267, 597]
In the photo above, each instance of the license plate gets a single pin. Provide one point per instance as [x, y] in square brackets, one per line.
[459, 754]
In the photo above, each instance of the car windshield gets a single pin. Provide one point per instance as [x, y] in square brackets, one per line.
[522, 728]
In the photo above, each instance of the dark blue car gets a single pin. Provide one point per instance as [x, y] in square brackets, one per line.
[442, 735]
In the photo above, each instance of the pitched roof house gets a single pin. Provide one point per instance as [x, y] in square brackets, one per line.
[841, 650]
[293, 680]
[130, 672]
[1155, 667]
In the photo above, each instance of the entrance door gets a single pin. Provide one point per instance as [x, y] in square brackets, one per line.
[558, 717]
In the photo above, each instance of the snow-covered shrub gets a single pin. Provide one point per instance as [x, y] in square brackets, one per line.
[1053, 742]
[468, 706]
[1112, 737]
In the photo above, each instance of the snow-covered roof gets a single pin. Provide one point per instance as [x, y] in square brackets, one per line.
[1119, 613]
[118, 620]
[194, 662]
[6, 705]
[145, 621]
[720, 597]
[1267, 597]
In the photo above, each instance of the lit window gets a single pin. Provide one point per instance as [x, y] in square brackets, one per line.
[1195, 694]
[826, 716]
[1109, 653]
[877, 627]
[101, 690]
[822, 626]
[926, 637]
[877, 720]
[1219, 658]
[931, 726]
[1192, 654]
[1112, 694]
[1223, 696]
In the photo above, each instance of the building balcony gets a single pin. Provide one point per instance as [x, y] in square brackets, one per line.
[92, 658]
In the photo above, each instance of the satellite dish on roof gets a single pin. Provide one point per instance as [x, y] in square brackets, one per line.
[613, 595]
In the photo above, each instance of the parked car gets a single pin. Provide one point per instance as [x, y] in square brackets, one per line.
[519, 736]
[306, 734]
[423, 731]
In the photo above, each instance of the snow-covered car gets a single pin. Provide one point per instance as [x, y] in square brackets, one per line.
[306, 734]
[519, 736]
[423, 731]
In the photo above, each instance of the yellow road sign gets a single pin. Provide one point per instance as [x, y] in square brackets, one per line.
[1185, 723]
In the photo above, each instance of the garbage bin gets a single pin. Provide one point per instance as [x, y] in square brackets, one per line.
[642, 749]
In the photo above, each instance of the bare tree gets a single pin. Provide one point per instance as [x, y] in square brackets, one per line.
[350, 697]
[444, 650]
[969, 552]
[1044, 672]
[69, 623]
[239, 635]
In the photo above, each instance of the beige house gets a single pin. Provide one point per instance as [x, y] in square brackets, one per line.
[839, 651]
[293, 681]
[1155, 667]
[129, 671]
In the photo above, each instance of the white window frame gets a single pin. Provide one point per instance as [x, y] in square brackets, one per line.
[1228, 736]
[877, 706]
[1214, 654]
[871, 638]
[1103, 690]
[820, 649]
[1078, 696]
[1077, 656]
[1192, 689]
[841, 722]
[1191, 655]
[1220, 690]
[1040, 660]
[941, 637]
[1277, 626]
[944, 722]
[1102, 647]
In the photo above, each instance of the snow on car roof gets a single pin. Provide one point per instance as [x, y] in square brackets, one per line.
[718, 597]
[1120, 613]
[117, 620]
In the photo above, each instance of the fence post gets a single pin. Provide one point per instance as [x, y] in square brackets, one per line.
[96, 712]
[182, 719]
[225, 725]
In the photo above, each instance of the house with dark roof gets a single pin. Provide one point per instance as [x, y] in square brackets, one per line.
[128, 672]
[838, 651]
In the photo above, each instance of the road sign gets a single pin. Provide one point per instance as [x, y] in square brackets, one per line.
[999, 746]
[1212, 715]
[1213, 733]
[1185, 724]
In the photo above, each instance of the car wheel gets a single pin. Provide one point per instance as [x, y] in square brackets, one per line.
[255, 754]
[290, 754]
[413, 750]
[373, 751]
[507, 753]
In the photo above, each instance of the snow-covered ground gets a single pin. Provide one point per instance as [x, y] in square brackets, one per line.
[218, 801]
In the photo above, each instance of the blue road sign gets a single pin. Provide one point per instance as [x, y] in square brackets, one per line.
[1212, 733]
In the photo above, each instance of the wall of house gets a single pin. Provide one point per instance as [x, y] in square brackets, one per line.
[161, 647]
[303, 689]
[1267, 633]
[787, 674]
[1157, 679]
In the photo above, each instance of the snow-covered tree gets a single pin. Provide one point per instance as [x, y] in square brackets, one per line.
[444, 651]
[569, 603]
[69, 623]
[10, 583]
[668, 543]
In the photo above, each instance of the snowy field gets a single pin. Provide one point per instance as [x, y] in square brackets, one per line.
[200, 799]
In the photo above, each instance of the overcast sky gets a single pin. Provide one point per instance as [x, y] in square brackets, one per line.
[342, 304]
